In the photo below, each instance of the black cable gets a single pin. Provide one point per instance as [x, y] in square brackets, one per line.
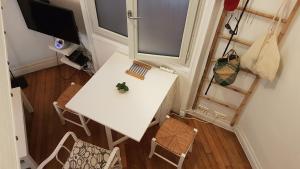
[230, 40]
[88, 68]
[12, 75]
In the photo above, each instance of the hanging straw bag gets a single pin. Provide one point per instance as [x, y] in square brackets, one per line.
[226, 69]
[263, 57]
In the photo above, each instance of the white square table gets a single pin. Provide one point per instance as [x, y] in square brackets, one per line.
[130, 113]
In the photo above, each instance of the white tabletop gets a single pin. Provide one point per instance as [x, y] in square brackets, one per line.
[19, 119]
[129, 113]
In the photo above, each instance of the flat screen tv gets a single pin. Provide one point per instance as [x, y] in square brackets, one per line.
[50, 20]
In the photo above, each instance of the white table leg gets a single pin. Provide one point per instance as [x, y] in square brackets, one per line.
[26, 103]
[153, 123]
[109, 138]
[153, 146]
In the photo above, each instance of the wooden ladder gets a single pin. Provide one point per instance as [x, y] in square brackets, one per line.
[210, 61]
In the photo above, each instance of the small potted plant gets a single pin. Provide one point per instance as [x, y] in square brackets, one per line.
[122, 88]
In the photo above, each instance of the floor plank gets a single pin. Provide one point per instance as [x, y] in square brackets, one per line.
[214, 148]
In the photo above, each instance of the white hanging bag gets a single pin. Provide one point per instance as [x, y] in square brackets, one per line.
[249, 58]
[263, 57]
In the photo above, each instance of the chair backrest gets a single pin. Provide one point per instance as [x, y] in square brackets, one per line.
[111, 161]
[57, 149]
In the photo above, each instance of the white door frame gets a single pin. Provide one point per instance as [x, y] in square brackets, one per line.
[98, 30]
[187, 36]
[8, 146]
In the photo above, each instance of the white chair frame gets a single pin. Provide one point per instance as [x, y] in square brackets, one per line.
[112, 143]
[181, 157]
[61, 112]
[114, 158]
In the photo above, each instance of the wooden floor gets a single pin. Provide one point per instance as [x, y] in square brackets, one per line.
[214, 148]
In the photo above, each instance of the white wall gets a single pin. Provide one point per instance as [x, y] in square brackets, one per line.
[28, 50]
[25, 46]
[8, 154]
[270, 123]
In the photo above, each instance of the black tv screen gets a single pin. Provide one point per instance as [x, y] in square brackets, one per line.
[50, 20]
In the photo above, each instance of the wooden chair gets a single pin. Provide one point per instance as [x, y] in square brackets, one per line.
[85, 155]
[176, 137]
[60, 108]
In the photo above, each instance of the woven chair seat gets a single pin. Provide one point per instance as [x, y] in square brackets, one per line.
[87, 156]
[67, 95]
[175, 136]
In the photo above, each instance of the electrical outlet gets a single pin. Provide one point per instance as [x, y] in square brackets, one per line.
[182, 113]
[203, 108]
[219, 115]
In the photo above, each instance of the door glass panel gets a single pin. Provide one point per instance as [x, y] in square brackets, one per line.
[112, 15]
[160, 31]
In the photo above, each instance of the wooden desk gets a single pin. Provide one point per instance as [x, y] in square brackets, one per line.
[130, 113]
[19, 100]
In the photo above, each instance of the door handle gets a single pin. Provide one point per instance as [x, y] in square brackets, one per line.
[130, 16]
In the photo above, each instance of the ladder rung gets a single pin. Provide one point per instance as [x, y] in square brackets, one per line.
[231, 87]
[247, 71]
[230, 106]
[238, 40]
[262, 14]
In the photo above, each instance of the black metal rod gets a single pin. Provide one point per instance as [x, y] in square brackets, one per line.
[230, 40]
[12, 75]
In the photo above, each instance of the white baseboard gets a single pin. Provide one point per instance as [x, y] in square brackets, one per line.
[218, 122]
[36, 66]
[247, 148]
[255, 164]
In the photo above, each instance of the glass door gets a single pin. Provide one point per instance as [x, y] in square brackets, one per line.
[163, 28]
